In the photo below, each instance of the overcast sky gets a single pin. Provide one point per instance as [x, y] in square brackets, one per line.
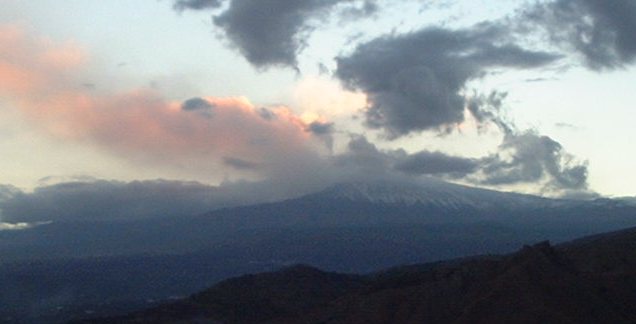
[526, 96]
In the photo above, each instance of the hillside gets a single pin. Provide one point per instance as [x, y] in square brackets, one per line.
[587, 281]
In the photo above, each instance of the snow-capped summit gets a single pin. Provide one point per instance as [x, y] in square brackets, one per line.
[435, 193]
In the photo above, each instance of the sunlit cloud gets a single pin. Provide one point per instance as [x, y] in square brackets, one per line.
[43, 82]
[31, 64]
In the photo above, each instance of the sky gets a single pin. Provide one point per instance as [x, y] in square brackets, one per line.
[236, 101]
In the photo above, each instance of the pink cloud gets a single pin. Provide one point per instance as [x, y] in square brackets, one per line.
[41, 78]
[30, 65]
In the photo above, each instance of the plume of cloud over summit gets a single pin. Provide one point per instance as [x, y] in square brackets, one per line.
[436, 163]
[414, 81]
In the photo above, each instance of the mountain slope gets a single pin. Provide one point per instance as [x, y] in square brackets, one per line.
[354, 228]
[350, 205]
[538, 284]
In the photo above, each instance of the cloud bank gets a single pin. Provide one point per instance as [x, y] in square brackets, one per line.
[110, 200]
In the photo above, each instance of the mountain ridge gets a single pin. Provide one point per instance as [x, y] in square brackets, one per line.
[41, 265]
[540, 283]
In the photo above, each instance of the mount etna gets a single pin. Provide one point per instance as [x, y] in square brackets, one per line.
[64, 270]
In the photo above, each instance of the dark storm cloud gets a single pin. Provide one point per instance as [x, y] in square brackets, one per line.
[181, 5]
[414, 81]
[532, 158]
[270, 32]
[436, 163]
[602, 31]
[273, 32]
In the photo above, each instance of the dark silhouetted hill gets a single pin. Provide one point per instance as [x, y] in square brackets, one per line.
[592, 280]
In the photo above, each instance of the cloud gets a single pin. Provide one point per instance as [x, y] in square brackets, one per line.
[181, 5]
[110, 200]
[141, 125]
[414, 81]
[321, 128]
[107, 200]
[526, 159]
[324, 130]
[366, 156]
[145, 127]
[603, 32]
[567, 126]
[366, 9]
[530, 158]
[272, 32]
[19, 226]
[7, 192]
[28, 65]
[240, 164]
[196, 104]
[437, 163]
[489, 109]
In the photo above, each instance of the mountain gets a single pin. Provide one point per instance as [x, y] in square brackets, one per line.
[349, 205]
[435, 194]
[592, 280]
[63, 269]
